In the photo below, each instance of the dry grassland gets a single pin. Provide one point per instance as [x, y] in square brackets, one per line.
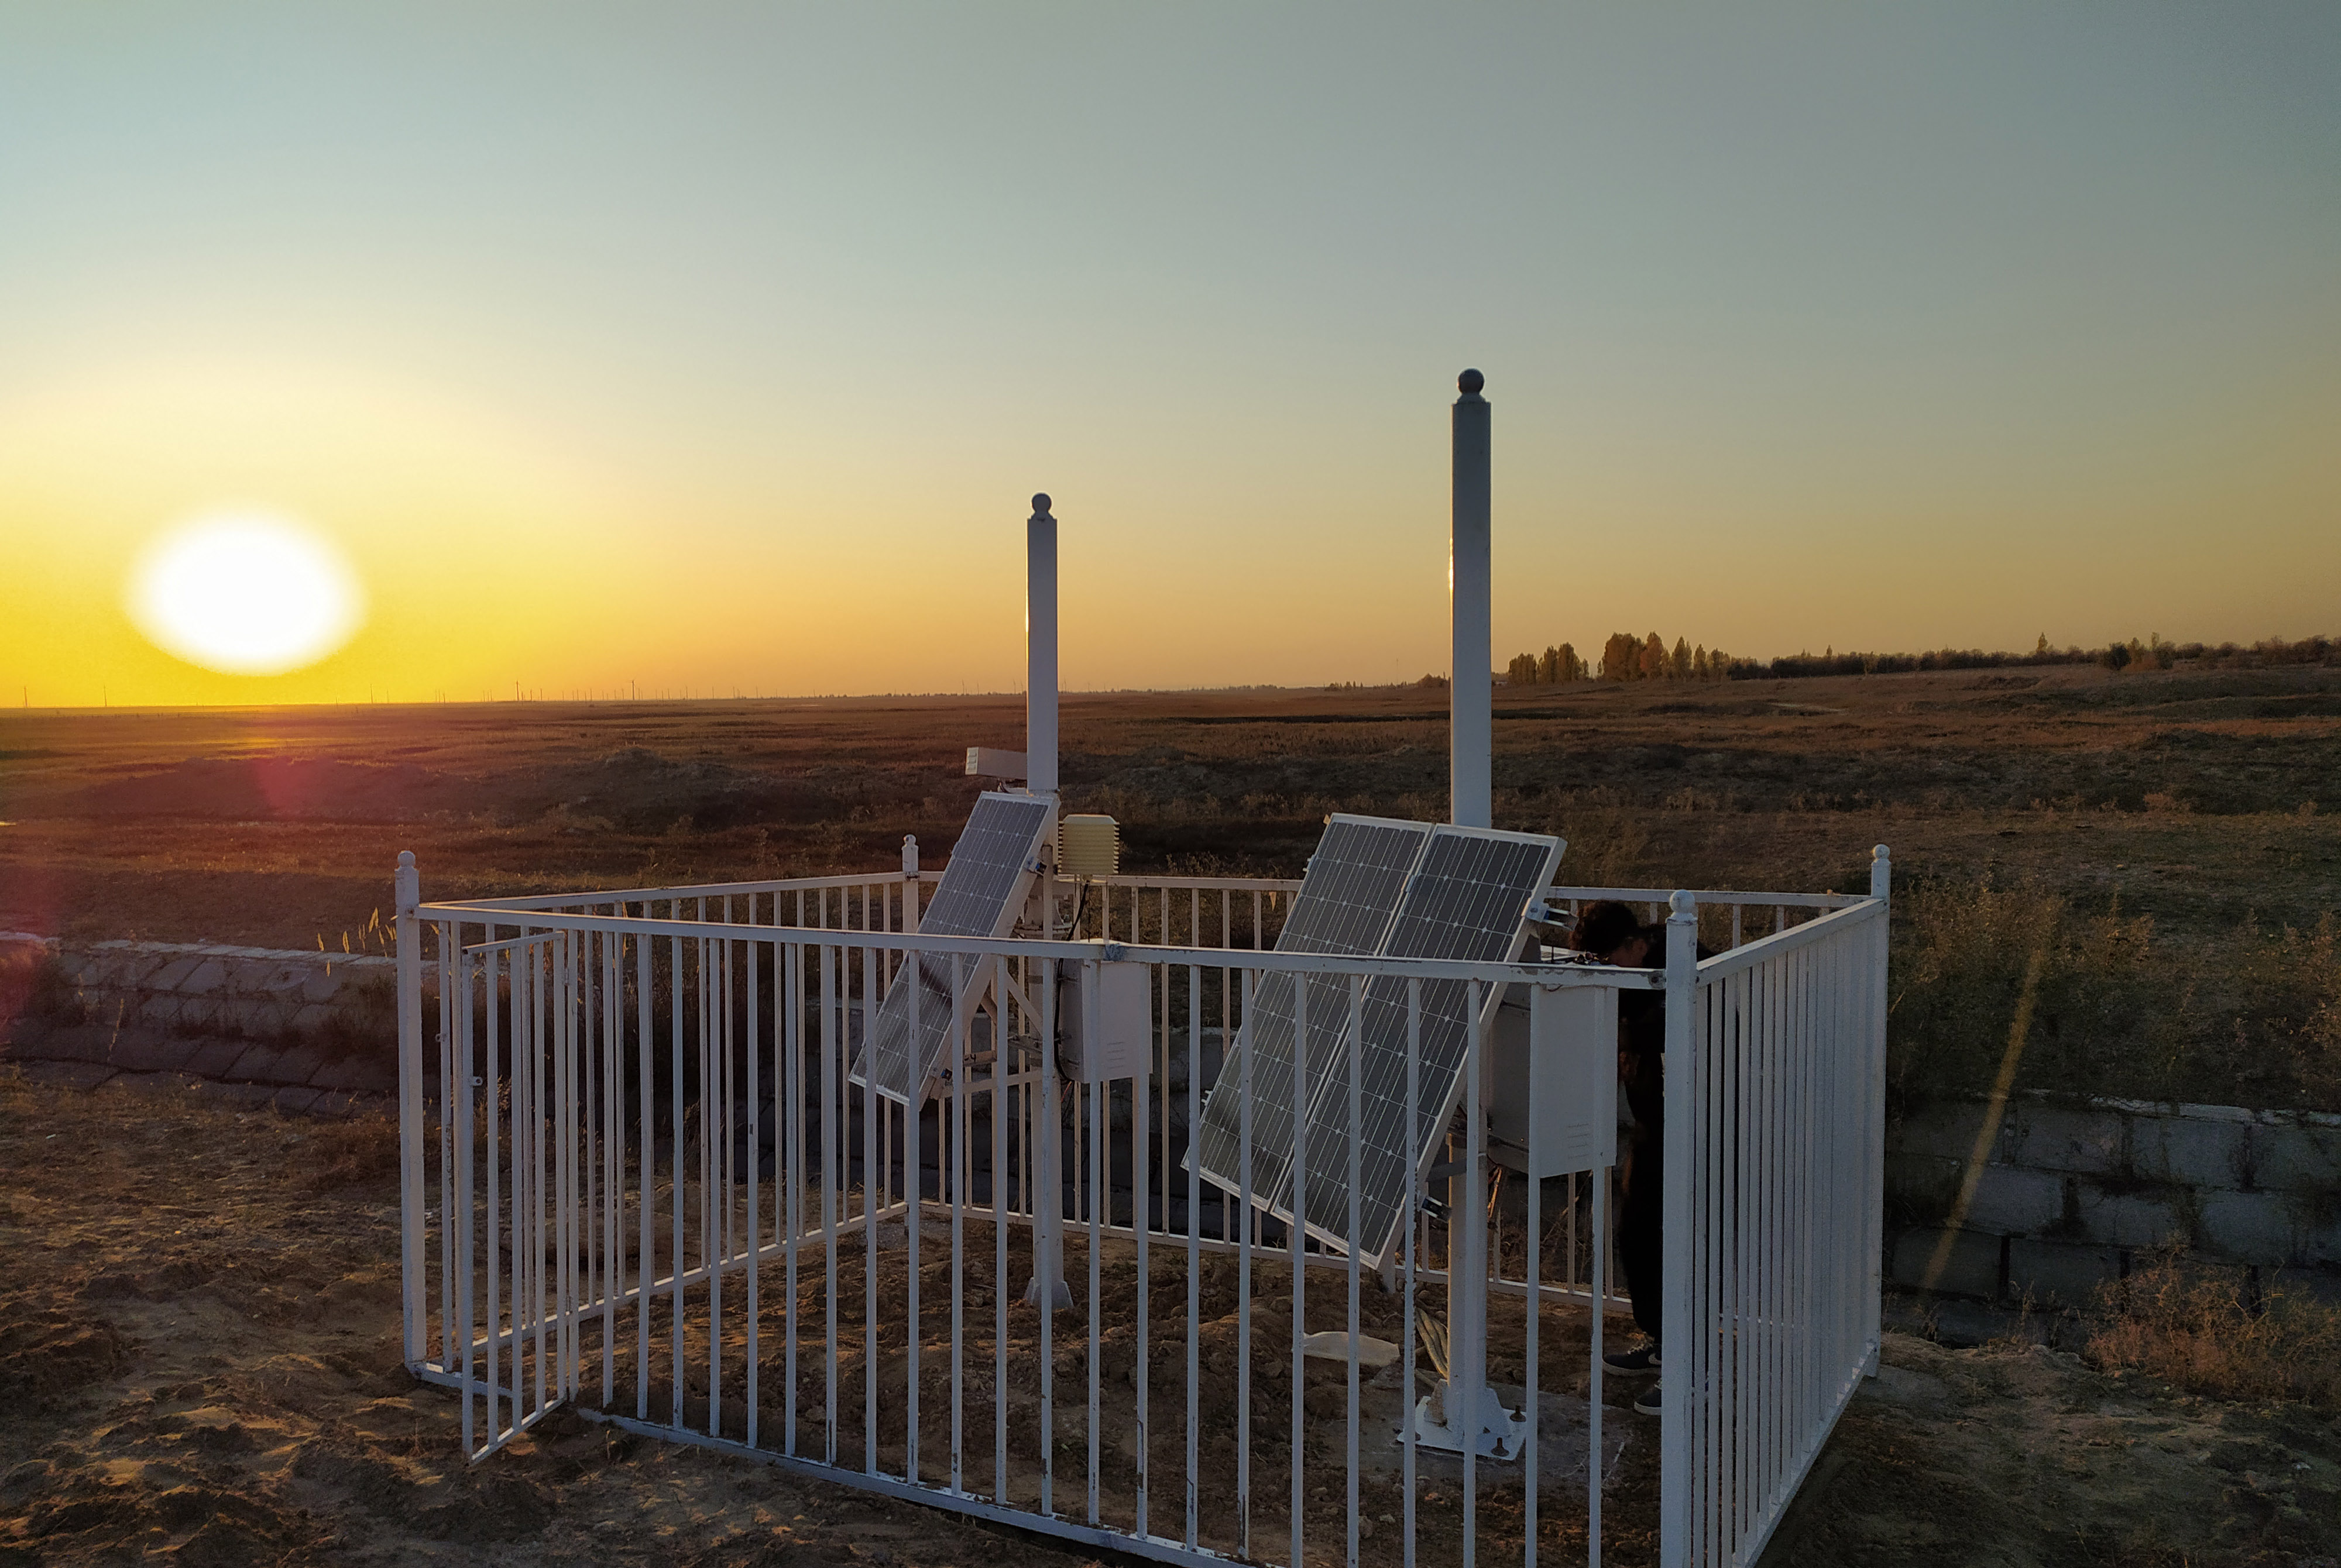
[198, 1309]
[2158, 837]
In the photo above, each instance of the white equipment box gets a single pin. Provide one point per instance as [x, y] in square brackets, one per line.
[1553, 1064]
[1105, 1021]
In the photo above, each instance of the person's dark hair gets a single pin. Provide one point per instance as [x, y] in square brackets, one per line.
[1605, 925]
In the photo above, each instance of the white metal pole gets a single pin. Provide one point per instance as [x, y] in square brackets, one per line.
[1469, 729]
[1041, 650]
[407, 890]
[1684, 1397]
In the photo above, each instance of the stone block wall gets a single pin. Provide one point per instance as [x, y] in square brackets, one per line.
[2065, 1195]
[211, 988]
[312, 1032]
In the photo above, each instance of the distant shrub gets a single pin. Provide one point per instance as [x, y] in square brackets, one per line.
[34, 987]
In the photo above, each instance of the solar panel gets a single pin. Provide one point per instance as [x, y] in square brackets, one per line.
[1467, 900]
[984, 885]
[1347, 896]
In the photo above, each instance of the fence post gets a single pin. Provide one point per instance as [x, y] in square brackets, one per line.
[1682, 1336]
[407, 883]
[1047, 1289]
[1881, 887]
[910, 881]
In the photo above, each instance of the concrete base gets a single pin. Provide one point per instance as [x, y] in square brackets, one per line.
[1498, 1433]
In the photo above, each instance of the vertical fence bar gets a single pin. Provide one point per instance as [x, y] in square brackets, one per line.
[1048, 1207]
[452, 1080]
[1243, 1273]
[1357, 1224]
[961, 1166]
[912, 1199]
[1000, 1291]
[1296, 1236]
[833, 963]
[793, 1075]
[456, 1207]
[873, 1183]
[1679, 1271]
[1194, 1231]
[1141, 1214]
[1415, 1230]
[414, 1299]
[646, 1206]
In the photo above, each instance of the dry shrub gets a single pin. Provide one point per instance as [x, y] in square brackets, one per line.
[351, 1153]
[2195, 1327]
[34, 987]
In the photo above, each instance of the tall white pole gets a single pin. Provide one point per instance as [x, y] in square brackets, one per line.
[1041, 650]
[1470, 736]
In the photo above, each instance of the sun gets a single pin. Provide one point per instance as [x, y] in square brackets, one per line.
[245, 593]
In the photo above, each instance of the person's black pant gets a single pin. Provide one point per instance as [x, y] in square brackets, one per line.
[1640, 1212]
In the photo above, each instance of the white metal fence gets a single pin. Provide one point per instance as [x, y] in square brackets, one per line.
[640, 1180]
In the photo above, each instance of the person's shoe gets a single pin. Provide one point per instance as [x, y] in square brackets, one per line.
[1647, 1401]
[1642, 1358]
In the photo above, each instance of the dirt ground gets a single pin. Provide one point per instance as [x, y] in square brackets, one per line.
[199, 1352]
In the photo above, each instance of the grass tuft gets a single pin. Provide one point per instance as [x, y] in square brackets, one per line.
[358, 1151]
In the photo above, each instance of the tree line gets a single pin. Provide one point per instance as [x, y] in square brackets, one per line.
[1625, 657]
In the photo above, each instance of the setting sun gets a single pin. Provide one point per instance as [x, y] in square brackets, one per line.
[245, 593]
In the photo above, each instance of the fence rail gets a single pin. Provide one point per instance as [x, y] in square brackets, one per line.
[641, 1178]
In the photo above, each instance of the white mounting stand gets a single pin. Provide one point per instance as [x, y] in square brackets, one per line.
[1469, 1417]
[1498, 1434]
[1048, 1282]
[1475, 1419]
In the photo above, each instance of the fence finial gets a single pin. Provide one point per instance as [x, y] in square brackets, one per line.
[1469, 382]
[1881, 872]
[1041, 504]
[910, 855]
[407, 887]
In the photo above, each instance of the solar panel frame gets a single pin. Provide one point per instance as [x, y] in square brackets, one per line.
[1468, 901]
[1349, 894]
[985, 885]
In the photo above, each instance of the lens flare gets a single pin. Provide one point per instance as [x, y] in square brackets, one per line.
[245, 593]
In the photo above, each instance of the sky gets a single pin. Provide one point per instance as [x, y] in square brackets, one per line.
[713, 349]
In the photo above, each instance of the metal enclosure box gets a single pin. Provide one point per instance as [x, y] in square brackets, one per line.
[1571, 1034]
[1105, 1021]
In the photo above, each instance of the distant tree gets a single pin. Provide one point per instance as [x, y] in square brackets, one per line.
[2040, 647]
[1652, 663]
[1719, 664]
[1619, 656]
[1679, 661]
[1549, 667]
[2115, 657]
[1699, 662]
[1523, 670]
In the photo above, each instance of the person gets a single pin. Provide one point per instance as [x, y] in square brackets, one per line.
[1611, 932]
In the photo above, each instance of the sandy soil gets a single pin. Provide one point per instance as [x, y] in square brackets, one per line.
[198, 1353]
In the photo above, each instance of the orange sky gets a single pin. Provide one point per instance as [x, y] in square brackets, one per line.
[721, 354]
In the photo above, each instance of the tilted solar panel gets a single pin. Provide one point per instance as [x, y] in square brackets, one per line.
[984, 885]
[1467, 900]
[1348, 895]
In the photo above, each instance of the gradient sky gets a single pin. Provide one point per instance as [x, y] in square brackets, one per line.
[721, 348]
